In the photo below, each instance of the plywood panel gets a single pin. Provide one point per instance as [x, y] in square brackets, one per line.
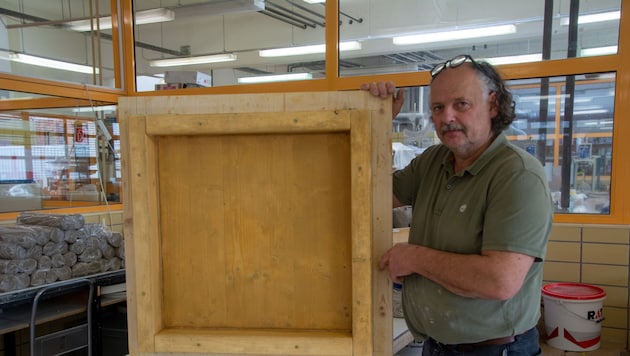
[256, 224]
[261, 226]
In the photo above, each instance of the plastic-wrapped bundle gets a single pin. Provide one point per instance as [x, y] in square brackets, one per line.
[44, 263]
[58, 260]
[11, 251]
[120, 252]
[51, 276]
[107, 250]
[90, 254]
[97, 230]
[19, 235]
[27, 265]
[44, 234]
[79, 246]
[112, 264]
[62, 273]
[71, 258]
[52, 248]
[64, 222]
[84, 268]
[11, 282]
[39, 277]
[34, 252]
[71, 236]
[54, 234]
[116, 239]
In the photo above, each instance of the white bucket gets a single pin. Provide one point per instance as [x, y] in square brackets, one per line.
[573, 314]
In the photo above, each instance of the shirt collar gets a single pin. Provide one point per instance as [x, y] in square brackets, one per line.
[477, 166]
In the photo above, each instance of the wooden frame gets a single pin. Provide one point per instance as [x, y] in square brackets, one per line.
[255, 224]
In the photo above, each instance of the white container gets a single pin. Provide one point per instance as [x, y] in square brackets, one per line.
[573, 314]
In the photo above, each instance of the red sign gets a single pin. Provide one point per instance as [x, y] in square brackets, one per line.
[79, 135]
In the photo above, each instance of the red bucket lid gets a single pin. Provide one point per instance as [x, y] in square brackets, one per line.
[575, 291]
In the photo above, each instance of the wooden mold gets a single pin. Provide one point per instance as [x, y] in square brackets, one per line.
[254, 223]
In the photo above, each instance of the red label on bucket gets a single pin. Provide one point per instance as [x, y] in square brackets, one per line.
[573, 291]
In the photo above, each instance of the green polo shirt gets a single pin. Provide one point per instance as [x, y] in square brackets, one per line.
[501, 202]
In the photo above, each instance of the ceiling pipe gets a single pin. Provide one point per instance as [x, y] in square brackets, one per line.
[305, 9]
[280, 12]
[283, 19]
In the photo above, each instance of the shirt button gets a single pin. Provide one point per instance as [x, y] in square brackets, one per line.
[448, 187]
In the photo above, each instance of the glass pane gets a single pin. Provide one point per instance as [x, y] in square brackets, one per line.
[222, 43]
[63, 157]
[579, 171]
[580, 108]
[44, 39]
[426, 32]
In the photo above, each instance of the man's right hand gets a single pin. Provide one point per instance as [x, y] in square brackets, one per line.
[383, 90]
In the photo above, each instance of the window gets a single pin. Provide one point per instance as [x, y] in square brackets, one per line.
[578, 170]
[219, 43]
[57, 41]
[53, 160]
[419, 34]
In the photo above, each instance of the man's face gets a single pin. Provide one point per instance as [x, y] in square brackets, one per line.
[461, 110]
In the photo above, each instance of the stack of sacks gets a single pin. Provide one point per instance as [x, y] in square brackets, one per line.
[45, 248]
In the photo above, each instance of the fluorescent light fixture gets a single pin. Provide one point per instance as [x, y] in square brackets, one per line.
[592, 18]
[275, 78]
[186, 61]
[315, 1]
[51, 63]
[312, 49]
[441, 36]
[590, 112]
[514, 59]
[598, 123]
[141, 17]
[219, 7]
[95, 108]
[598, 51]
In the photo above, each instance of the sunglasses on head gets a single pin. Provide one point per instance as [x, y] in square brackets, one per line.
[452, 63]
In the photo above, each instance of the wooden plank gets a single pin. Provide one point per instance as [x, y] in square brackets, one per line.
[130, 267]
[252, 123]
[362, 343]
[205, 104]
[147, 286]
[274, 102]
[381, 224]
[260, 342]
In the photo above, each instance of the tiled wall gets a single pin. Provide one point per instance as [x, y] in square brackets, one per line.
[113, 219]
[595, 255]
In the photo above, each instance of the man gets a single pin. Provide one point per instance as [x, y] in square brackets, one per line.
[482, 212]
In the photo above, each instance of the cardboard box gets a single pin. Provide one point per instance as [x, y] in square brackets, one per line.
[188, 77]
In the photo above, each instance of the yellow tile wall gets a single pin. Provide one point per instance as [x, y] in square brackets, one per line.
[597, 255]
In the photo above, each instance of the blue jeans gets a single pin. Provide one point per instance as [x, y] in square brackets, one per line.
[525, 344]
